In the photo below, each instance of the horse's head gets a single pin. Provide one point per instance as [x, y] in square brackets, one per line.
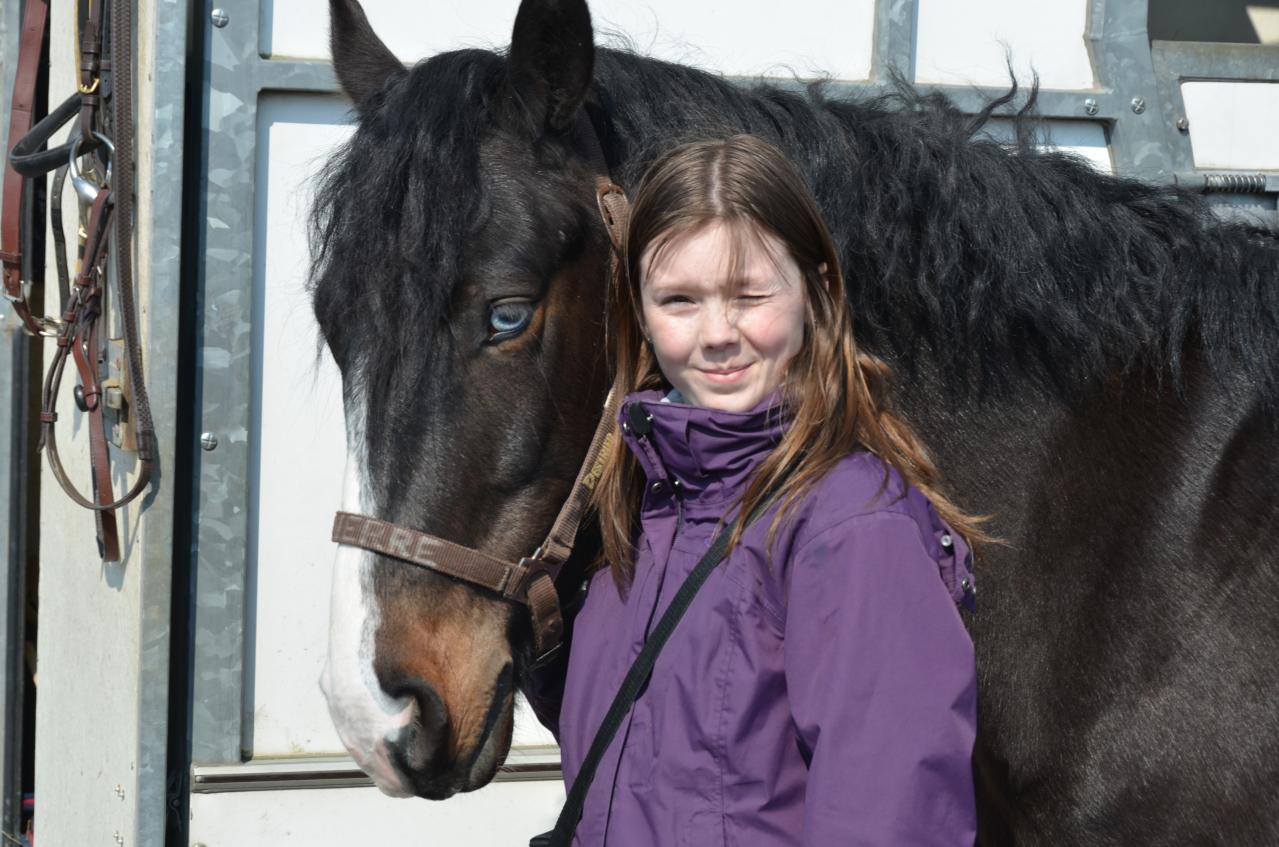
[458, 283]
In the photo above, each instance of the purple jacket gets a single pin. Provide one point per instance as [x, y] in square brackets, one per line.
[829, 699]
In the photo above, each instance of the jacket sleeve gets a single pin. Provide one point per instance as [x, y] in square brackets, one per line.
[881, 680]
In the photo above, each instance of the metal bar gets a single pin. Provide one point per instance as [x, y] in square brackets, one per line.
[297, 76]
[1054, 104]
[14, 347]
[1194, 60]
[533, 763]
[161, 123]
[219, 731]
[894, 45]
[1142, 142]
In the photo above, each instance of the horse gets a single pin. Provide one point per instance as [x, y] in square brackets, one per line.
[1090, 359]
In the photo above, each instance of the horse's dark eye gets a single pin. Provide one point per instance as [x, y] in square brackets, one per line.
[509, 318]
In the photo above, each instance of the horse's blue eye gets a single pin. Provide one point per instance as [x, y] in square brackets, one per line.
[509, 318]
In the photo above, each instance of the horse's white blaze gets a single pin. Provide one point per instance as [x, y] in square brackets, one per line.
[366, 718]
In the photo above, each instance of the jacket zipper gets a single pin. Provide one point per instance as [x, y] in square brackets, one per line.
[679, 510]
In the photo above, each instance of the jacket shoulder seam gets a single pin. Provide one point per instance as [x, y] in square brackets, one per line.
[858, 518]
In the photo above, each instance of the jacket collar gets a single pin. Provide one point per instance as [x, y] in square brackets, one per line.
[707, 454]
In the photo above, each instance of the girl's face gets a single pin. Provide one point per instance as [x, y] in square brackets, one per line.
[723, 343]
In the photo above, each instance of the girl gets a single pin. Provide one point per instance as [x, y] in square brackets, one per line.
[820, 690]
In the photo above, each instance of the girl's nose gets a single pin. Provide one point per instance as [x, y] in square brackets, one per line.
[719, 327]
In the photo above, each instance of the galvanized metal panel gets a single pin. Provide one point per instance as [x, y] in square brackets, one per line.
[744, 38]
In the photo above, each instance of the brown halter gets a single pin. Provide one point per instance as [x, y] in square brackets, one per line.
[531, 580]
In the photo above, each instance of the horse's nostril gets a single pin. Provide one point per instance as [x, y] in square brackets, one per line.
[426, 735]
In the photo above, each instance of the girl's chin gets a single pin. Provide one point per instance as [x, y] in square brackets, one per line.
[735, 401]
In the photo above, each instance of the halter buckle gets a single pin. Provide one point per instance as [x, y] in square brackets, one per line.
[547, 657]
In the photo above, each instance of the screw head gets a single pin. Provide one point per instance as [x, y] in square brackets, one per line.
[1183, 124]
[208, 442]
[1090, 106]
[219, 17]
[1138, 105]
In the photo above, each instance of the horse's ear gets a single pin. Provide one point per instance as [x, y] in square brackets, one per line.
[550, 61]
[361, 60]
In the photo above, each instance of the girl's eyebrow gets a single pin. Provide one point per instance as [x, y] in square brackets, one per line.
[762, 279]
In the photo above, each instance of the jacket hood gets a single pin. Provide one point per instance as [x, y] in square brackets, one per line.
[706, 454]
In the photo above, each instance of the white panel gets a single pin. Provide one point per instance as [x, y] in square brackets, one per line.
[1233, 124]
[743, 38]
[963, 43]
[505, 813]
[1083, 138]
[302, 446]
[1266, 23]
[301, 436]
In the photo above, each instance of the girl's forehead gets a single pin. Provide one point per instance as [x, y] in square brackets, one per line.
[716, 252]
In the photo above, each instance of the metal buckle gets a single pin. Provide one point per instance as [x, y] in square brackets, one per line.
[549, 656]
[85, 190]
[49, 327]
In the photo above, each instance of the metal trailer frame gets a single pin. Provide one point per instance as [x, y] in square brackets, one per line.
[1137, 99]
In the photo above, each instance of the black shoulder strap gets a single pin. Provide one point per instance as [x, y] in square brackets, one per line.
[633, 684]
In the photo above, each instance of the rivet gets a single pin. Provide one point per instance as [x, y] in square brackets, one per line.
[1183, 125]
[946, 540]
[1090, 106]
[208, 442]
[965, 583]
[657, 487]
[219, 17]
[1138, 105]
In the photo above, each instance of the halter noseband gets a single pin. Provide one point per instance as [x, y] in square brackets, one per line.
[531, 580]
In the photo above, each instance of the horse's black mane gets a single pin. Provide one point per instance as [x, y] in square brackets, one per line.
[998, 258]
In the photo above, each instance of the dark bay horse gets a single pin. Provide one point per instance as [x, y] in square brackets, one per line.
[1091, 359]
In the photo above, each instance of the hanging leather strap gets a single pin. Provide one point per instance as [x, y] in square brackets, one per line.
[34, 21]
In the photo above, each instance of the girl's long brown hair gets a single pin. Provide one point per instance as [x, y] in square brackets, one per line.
[837, 395]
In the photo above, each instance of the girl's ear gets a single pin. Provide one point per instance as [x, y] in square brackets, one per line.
[821, 269]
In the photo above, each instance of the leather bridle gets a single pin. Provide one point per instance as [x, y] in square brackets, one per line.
[109, 226]
[531, 580]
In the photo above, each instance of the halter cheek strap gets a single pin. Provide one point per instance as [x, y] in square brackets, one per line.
[531, 580]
